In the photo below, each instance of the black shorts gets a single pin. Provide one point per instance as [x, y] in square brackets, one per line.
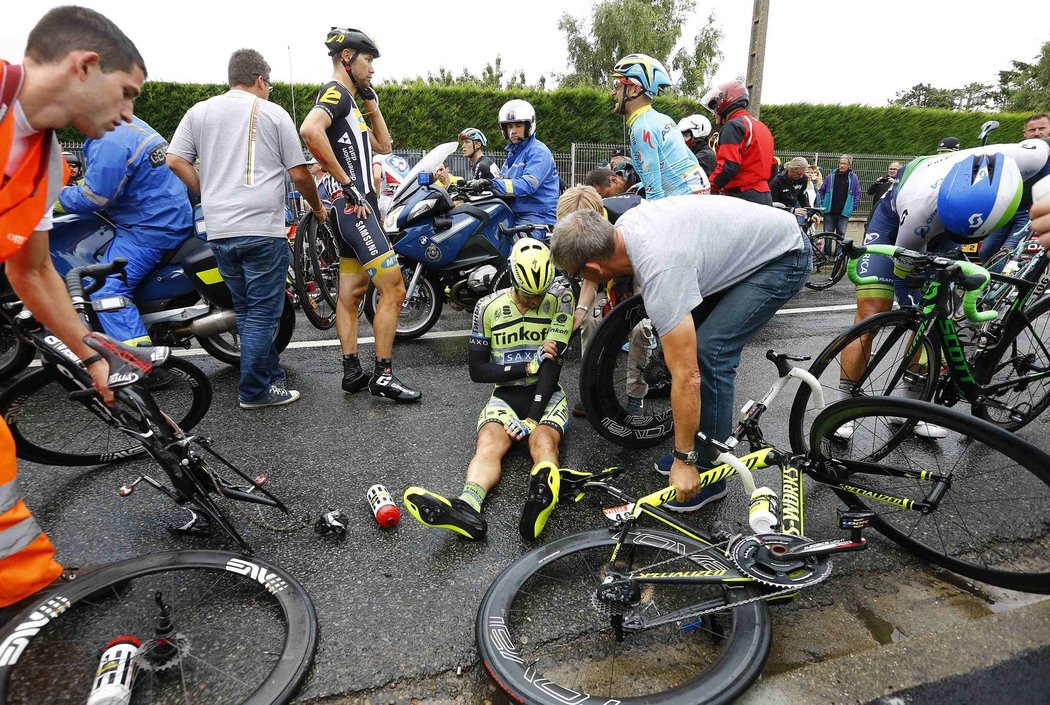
[363, 244]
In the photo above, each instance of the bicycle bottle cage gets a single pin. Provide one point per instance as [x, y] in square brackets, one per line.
[127, 365]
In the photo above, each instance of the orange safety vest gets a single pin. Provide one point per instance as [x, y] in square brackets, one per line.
[26, 555]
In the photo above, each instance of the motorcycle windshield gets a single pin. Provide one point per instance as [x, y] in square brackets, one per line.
[430, 161]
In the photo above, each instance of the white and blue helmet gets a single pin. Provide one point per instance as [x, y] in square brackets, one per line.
[979, 195]
[644, 71]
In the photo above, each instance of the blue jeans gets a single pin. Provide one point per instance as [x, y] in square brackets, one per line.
[1005, 237]
[255, 268]
[734, 321]
[836, 223]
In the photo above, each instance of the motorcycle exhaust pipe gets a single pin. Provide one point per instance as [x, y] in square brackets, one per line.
[222, 321]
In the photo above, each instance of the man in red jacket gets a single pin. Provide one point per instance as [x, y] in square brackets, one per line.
[745, 145]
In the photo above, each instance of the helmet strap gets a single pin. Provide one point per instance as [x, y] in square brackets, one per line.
[347, 66]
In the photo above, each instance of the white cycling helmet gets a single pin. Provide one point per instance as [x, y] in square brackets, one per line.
[697, 126]
[518, 111]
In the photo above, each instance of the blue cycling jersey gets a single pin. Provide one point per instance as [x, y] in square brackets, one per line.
[666, 166]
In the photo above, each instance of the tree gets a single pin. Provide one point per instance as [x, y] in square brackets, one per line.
[654, 27]
[923, 95]
[1024, 87]
[492, 76]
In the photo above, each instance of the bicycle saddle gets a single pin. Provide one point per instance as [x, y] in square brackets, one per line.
[127, 365]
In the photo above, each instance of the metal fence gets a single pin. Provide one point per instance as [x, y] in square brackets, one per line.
[584, 156]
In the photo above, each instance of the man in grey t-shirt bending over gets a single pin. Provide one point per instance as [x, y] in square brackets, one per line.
[712, 272]
[246, 144]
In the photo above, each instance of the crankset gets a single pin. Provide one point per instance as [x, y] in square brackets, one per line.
[780, 560]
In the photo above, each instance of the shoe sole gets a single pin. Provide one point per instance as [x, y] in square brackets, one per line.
[429, 509]
[671, 507]
[544, 488]
[381, 395]
[264, 405]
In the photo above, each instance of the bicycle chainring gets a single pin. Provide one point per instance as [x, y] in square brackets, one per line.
[762, 558]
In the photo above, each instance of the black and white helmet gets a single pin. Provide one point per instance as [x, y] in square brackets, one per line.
[518, 111]
[339, 38]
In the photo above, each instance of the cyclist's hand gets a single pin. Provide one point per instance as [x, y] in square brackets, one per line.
[518, 429]
[686, 480]
[321, 214]
[353, 201]
[799, 211]
[549, 349]
[99, 372]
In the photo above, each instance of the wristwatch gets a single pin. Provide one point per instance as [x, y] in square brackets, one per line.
[691, 457]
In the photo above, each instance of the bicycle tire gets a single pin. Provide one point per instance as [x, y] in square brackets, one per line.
[996, 509]
[603, 392]
[829, 261]
[312, 300]
[322, 253]
[37, 406]
[890, 332]
[1027, 350]
[518, 670]
[29, 673]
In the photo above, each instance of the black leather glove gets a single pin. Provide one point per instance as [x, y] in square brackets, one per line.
[480, 185]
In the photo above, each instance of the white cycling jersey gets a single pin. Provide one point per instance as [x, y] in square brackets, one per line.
[914, 198]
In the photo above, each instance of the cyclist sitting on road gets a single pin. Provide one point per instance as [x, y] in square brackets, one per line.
[665, 165]
[695, 130]
[954, 196]
[529, 176]
[697, 292]
[129, 179]
[517, 341]
[472, 146]
[336, 133]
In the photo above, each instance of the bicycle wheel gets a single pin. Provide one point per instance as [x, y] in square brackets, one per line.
[1018, 375]
[50, 429]
[419, 312]
[312, 300]
[993, 521]
[322, 253]
[829, 261]
[896, 366]
[245, 632]
[544, 640]
[620, 362]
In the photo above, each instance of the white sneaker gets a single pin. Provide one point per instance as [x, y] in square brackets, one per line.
[923, 429]
[845, 431]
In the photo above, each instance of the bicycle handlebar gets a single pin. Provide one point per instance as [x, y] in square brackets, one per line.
[97, 273]
[972, 278]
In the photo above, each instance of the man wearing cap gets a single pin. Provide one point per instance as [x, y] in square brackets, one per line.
[789, 187]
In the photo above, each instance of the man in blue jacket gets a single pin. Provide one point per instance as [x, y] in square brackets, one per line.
[528, 176]
[129, 179]
[840, 195]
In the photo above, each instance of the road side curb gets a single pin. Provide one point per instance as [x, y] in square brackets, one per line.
[1004, 642]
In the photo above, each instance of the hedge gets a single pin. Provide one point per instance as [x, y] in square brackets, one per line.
[420, 117]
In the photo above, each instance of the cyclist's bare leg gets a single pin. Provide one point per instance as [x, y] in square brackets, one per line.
[391, 286]
[543, 445]
[485, 467]
[855, 357]
[352, 289]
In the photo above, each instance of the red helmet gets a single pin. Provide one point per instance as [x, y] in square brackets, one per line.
[726, 98]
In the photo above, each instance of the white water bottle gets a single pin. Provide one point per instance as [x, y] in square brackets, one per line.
[762, 512]
[116, 672]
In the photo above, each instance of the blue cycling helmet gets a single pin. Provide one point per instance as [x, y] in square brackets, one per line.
[980, 194]
[644, 71]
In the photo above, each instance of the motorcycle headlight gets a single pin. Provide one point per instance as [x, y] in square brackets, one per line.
[421, 208]
[390, 224]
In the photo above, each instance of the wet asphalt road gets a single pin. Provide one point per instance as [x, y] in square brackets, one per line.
[400, 604]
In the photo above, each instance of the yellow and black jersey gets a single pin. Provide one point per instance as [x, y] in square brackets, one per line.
[512, 338]
[348, 134]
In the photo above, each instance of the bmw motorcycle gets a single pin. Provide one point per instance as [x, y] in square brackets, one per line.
[183, 298]
[450, 252]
